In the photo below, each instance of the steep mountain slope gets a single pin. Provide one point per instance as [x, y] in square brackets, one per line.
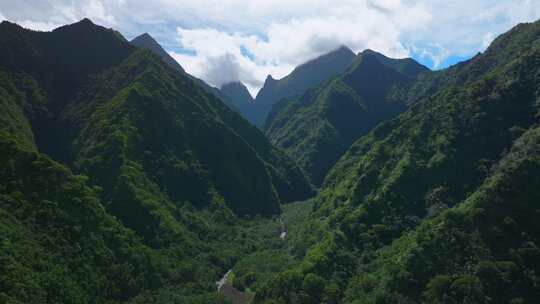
[242, 99]
[406, 66]
[483, 251]
[162, 165]
[69, 120]
[238, 92]
[318, 127]
[438, 205]
[59, 243]
[300, 79]
[147, 42]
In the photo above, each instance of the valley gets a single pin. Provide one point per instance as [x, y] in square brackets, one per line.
[355, 178]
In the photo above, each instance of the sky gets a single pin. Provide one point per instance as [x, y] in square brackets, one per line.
[246, 40]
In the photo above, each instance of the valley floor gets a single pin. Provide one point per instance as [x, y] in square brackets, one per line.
[279, 234]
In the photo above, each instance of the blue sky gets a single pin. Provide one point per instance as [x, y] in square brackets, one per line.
[241, 40]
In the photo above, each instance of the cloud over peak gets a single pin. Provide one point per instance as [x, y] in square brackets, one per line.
[242, 40]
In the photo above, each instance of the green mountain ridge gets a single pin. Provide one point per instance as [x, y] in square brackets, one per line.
[298, 81]
[145, 41]
[124, 180]
[318, 127]
[166, 169]
[438, 205]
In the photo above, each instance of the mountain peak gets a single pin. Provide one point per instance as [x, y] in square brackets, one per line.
[82, 25]
[369, 51]
[7, 24]
[86, 21]
[342, 53]
[343, 49]
[234, 83]
[237, 92]
[146, 41]
[144, 36]
[269, 81]
[380, 56]
[303, 77]
[406, 66]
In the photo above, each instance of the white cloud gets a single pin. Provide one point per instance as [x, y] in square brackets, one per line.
[95, 10]
[251, 39]
[49, 14]
[282, 45]
[39, 26]
[436, 53]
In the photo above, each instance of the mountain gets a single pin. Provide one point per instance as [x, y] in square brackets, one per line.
[406, 66]
[243, 101]
[288, 180]
[439, 205]
[147, 42]
[237, 97]
[121, 178]
[317, 127]
[300, 79]
[238, 92]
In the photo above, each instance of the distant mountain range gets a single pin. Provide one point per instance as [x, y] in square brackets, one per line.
[301, 79]
[236, 95]
[317, 127]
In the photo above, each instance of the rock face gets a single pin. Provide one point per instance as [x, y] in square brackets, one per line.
[317, 127]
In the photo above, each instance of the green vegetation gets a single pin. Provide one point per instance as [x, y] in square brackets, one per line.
[302, 78]
[255, 270]
[483, 251]
[318, 127]
[439, 204]
[121, 180]
[145, 41]
[60, 245]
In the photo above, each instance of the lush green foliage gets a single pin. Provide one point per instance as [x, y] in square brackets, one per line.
[145, 41]
[483, 251]
[59, 244]
[256, 269]
[121, 180]
[318, 127]
[165, 169]
[439, 205]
